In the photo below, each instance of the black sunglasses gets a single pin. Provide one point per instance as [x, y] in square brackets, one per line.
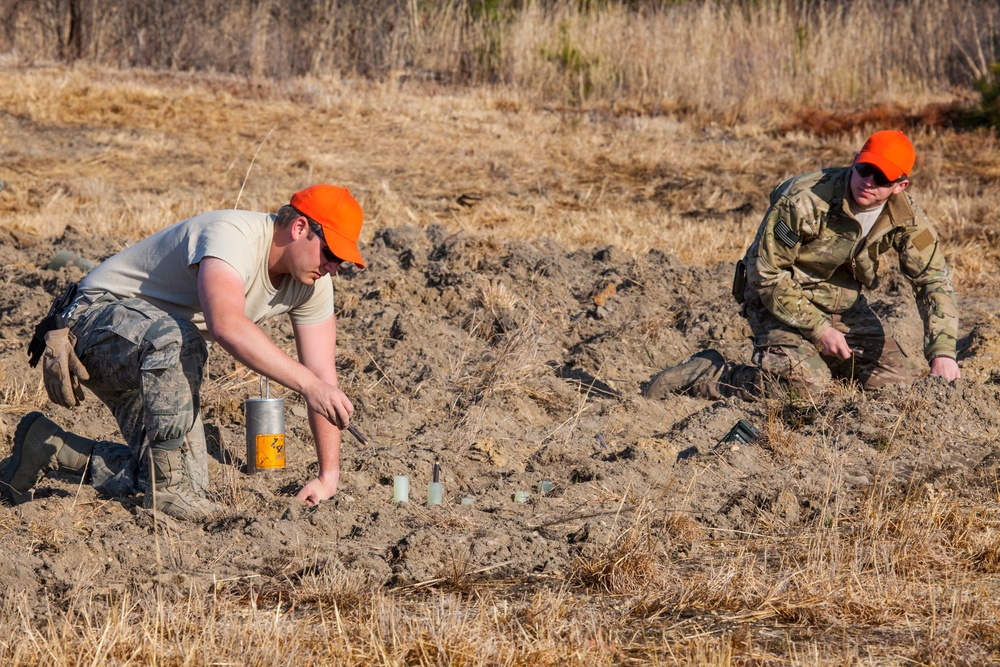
[866, 170]
[327, 253]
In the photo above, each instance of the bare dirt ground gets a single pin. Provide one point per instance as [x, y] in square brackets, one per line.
[510, 358]
[496, 360]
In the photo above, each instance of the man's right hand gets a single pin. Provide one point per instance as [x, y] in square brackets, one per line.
[62, 369]
[833, 344]
[945, 367]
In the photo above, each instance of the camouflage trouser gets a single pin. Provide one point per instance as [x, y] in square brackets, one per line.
[146, 366]
[784, 358]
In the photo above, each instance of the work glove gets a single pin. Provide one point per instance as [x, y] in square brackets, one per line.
[62, 369]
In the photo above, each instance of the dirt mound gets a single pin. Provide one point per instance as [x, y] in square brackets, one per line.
[510, 363]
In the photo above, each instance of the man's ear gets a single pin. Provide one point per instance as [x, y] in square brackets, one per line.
[899, 187]
[299, 227]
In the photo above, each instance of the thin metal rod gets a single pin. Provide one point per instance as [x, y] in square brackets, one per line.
[357, 434]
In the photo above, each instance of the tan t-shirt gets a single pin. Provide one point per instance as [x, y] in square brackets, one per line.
[163, 270]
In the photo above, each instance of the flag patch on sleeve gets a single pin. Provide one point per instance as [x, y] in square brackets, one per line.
[785, 234]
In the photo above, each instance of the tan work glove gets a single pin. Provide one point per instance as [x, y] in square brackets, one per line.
[62, 370]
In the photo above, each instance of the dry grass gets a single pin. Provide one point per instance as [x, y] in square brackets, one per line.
[511, 367]
[149, 149]
[17, 395]
[681, 119]
[917, 565]
[778, 436]
[626, 563]
[735, 61]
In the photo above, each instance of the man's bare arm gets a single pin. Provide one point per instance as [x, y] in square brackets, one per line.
[221, 290]
[316, 344]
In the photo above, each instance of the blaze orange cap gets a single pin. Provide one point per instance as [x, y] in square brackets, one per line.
[338, 213]
[890, 151]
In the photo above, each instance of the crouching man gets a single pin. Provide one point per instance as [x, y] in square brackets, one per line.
[801, 285]
[136, 332]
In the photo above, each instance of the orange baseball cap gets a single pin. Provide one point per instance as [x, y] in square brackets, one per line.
[338, 213]
[890, 151]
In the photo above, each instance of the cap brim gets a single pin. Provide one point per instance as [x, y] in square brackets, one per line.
[891, 171]
[343, 247]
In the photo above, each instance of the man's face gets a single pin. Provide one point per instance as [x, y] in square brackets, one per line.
[870, 187]
[322, 260]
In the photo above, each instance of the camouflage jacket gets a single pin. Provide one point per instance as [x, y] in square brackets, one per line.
[806, 260]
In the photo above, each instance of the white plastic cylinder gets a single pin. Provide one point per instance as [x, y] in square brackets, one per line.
[400, 489]
[435, 491]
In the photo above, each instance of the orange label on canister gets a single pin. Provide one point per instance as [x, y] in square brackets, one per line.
[271, 450]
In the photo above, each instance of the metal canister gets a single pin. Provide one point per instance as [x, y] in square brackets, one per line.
[265, 424]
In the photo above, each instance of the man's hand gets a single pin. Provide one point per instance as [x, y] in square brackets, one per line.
[946, 367]
[62, 370]
[329, 401]
[319, 490]
[833, 344]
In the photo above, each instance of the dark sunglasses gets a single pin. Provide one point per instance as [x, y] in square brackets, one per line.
[866, 170]
[327, 253]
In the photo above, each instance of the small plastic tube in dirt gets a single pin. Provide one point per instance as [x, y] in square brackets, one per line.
[434, 493]
[468, 500]
[545, 486]
[400, 489]
[521, 496]
[434, 489]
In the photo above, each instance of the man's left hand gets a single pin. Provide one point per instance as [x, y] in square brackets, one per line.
[319, 490]
[945, 367]
[328, 400]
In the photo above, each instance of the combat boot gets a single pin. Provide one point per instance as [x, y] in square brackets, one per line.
[700, 374]
[41, 446]
[171, 491]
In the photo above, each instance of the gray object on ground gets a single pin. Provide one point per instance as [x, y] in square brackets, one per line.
[69, 258]
[743, 431]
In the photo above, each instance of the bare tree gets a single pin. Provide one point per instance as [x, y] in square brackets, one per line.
[9, 10]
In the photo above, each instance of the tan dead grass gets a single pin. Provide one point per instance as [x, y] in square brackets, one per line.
[778, 436]
[122, 154]
[512, 365]
[728, 61]
[916, 564]
[629, 561]
[17, 395]
[181, 145]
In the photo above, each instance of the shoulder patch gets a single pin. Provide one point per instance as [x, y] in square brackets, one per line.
[922, 240]
[785, 234]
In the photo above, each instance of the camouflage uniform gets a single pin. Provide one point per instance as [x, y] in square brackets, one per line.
[805, 271]
[146, 366]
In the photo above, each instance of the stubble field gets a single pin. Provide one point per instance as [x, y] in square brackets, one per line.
[530, 266]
